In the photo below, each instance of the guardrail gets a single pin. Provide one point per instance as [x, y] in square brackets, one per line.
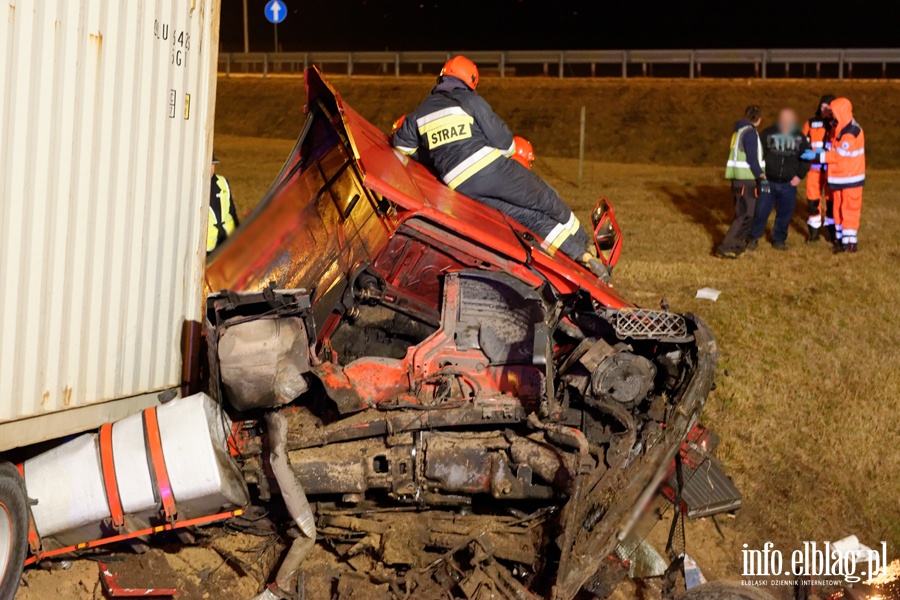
[391, 62]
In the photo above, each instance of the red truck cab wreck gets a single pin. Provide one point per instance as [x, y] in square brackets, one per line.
[420, 351]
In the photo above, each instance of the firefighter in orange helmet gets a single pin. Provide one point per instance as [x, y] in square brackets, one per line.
[846, 172]
[455, 132]
[818, 130]
[524, 152]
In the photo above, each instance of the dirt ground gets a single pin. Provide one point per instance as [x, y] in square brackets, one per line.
[806, 398]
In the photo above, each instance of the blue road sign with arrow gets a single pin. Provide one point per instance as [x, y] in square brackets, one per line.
[276, 11]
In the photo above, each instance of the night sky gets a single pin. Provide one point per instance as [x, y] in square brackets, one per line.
[563, 24]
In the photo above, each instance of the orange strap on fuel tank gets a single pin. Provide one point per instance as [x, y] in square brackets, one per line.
[158, 463]
[38, 555]
[107, 464]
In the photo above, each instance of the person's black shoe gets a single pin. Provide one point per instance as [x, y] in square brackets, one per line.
[851, 247]
[779, 246]
[829, 234]
[839, 248]
[752, 243]
[813, 234]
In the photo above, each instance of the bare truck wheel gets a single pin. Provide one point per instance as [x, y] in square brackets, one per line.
[13, 530]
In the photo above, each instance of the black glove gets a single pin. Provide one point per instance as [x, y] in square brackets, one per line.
[763, 187]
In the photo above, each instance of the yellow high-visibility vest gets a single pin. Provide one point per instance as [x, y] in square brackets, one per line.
[222, 213]
[737, 166]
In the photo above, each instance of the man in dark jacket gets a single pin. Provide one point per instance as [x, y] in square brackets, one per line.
[783, 143]
[745, 170]
[456, 133]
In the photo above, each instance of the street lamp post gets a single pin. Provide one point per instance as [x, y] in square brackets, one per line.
[246, 34]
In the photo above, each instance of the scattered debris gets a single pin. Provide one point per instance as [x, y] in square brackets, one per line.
[645, 560]
[708, 293]
[112, 589]
[890, 574]
[693, 576]
[852, 545]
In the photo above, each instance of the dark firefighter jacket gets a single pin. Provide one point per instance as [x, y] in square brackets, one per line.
[455, 131]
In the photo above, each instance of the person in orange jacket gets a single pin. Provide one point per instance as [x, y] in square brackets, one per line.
[846, 172]
[818, 130]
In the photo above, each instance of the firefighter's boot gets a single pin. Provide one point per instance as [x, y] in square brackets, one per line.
[813, 234]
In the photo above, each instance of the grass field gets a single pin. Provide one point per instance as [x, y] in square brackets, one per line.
[809, 376]
[655, 121]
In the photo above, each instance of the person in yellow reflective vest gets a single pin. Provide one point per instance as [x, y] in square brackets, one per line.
[746, 170]
[223, 217]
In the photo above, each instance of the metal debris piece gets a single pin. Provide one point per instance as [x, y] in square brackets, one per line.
[112, 589]
[693, 576]
[644, 560]
[708, 293]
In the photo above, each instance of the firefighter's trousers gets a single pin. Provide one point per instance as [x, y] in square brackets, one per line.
[514, 190]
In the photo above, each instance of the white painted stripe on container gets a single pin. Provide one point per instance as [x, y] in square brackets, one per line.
[102, 195]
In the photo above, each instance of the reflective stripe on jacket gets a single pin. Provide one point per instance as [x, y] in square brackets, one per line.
[455, 130]
[817, 130]
[738, 166]
[223, 218]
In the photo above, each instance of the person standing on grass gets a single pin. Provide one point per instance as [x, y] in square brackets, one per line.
[782, 143]
[818, 130]
[846, 160]
[746, 171]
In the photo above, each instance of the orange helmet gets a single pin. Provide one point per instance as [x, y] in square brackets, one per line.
[524, 152]
[462, 68]
[397, 124]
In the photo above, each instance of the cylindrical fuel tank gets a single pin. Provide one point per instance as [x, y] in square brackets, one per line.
[168, 461]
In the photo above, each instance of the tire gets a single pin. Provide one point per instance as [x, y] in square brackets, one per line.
[13, 530]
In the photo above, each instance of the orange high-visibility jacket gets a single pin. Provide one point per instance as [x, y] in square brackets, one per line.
[847, 157]
[816, 130]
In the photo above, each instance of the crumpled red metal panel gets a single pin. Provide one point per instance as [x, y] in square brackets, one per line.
[411, 186]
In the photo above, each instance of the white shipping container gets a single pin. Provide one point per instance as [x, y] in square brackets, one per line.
[106, 129]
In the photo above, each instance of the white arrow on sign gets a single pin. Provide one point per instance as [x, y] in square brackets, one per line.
[276, 11]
